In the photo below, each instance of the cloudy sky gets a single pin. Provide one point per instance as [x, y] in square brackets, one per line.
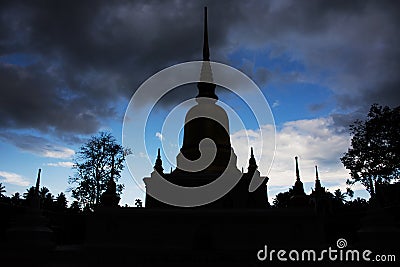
[68, 70]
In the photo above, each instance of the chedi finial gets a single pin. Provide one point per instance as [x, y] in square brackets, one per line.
[206, 49]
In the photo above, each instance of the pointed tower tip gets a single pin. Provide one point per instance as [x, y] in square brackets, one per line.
[206, 87]
[206, 49]
[316, 172]
[252, 162]
[158, 165]
[318, 186]
[38, 182]
[297, 169]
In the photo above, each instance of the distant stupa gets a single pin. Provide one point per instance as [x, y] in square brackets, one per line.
[299, 197]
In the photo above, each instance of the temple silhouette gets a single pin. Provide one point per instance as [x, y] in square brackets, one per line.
[207, 120]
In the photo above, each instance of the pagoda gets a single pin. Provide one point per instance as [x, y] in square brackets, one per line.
[299, 197]
[206, 132]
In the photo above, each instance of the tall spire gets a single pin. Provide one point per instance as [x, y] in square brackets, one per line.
[206, 87]
[317, 181]
[252, 162]
[158, 165]
[298, 188]
[206, 49]
[297, 169]
[35, 201]
[38, 183]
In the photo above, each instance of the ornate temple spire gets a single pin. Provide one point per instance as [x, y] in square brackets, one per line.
[37, 187]
[35, 201]
[252, 162]
[206, 49]
[158, 165]
[206, 89]
[297, 169]
[317, 181]
[298, 185]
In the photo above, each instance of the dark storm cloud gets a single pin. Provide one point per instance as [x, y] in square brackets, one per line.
[355, 46]
[30, 98]
[91, 54]
[351, 47]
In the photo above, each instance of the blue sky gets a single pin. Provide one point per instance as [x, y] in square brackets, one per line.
[68, 70]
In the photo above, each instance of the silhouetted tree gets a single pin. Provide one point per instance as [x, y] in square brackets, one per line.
[358, 203]
[375, 148]
[96, 161]
[2, 190]
[75, 207]
[138, 203]
[46, 198]
[29, 194]
[349, 192]
[61, 202]
[48, 201]
[43, 192]
[281, 200]
[339, 196]
[16, 199]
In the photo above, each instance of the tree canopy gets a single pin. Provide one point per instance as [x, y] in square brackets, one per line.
[375, 148]
[2, 190]
[61, 202]
[97, 161]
